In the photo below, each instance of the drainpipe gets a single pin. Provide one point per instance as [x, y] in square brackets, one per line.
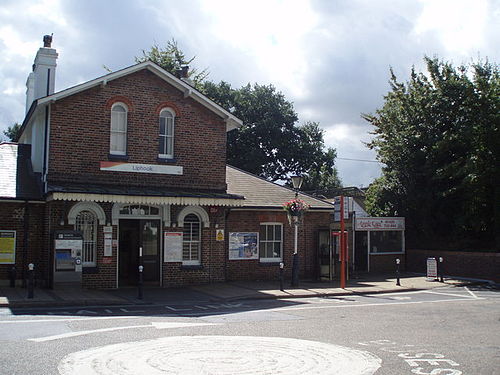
[25, 243]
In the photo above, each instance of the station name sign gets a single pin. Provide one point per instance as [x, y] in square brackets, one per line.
[379, 223]
[140, 168]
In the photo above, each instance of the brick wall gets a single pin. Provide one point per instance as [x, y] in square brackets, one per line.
[12, 217]
[80, 135]
[249, 221]
[457, 263]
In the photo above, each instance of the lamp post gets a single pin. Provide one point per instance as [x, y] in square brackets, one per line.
[297, 183]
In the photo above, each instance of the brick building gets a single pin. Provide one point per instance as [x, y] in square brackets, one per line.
[130, 169]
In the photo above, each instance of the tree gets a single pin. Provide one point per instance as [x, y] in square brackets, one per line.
[172, 59]
[13, 132]
[269, 143]
[439, 137]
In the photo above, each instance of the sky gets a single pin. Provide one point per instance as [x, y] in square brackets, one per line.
[331, 58]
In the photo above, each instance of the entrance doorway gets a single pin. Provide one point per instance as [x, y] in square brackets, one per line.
[326, 251]
[135, 234]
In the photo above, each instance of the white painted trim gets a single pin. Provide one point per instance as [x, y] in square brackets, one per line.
[272, 260]
[164, 216]
[198, 211]
[232, 122]
[86, 206]
[148, 200]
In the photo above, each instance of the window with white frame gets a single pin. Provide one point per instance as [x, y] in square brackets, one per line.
[166, 135]
[86, 222]
[191, 240]
[271, 242]
[118, 133]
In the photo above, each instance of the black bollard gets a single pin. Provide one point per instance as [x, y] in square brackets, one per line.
[31, 268]
[12, 277]
[397, 272]
[282, 276]
[440, 269]
[139, 285]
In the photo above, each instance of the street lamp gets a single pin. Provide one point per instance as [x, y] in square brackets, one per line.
[297, 183]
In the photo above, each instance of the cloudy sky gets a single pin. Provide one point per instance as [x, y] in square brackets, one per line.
[331, 58]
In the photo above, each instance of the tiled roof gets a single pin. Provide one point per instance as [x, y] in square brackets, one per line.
[17, 180]
[260, 193]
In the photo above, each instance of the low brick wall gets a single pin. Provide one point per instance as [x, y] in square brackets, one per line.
[457, 263]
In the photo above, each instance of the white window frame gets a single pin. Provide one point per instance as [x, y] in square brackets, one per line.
[163, 153]
[122, 133]
[88, 243]
[196, 262]
[261, 240]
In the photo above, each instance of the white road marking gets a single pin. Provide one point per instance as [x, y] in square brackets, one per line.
[157, 325]
[470, 292]
[221, 355]
[75, 319]
[446, 294]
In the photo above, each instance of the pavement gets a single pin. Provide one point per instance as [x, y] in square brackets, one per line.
[237, 290]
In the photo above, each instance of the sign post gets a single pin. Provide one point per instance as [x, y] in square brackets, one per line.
[342, 246]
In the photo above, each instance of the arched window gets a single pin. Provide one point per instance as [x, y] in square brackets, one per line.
[118, 133]
[86, 222]
[166, 135]
[191, 240]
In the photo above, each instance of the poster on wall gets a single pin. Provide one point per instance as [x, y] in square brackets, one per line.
[7, 246]
[172, 247]
[243, 245]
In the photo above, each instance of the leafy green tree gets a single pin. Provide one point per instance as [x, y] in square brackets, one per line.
[270, 144]
[172, 59]
[438, 136]
[12, 132]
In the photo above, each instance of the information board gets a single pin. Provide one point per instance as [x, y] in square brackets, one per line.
[432, 272]
[172, 247]
[243, 245]
[7, 246]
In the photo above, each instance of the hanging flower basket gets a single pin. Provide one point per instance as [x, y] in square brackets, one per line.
[295, 208]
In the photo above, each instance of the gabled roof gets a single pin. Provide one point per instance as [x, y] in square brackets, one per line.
[260, 193]
[17, 180]
[232, 122]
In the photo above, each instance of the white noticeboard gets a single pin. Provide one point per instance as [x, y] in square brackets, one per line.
[172, 247]
[432, 273]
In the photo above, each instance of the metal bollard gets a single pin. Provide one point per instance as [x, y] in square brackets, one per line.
[139, 296]
[31, 268]
[282, 276]
[440, 269]
[397, 271]
[12, 277]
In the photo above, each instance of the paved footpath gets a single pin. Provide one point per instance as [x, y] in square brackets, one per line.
[72, 296]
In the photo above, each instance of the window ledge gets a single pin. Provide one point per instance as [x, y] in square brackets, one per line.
[270, 263]
[166, 160]
[191, 267]
[117, 157]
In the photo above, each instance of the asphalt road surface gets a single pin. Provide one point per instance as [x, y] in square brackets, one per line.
[445, 331]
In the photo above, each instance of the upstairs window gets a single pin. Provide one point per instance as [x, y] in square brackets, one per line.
[118, 133]
[166, 135]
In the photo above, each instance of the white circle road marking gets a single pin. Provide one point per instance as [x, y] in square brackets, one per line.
[220, 355]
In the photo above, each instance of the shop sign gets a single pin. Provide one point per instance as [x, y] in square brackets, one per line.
[172, 247]
[379, 223]
[7, 246]
[140, 168]
[243, 245]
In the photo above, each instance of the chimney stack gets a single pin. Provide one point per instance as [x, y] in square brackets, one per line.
[41, 82]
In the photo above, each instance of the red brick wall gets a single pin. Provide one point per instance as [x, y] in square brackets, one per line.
[249, 221]
[12, 216]
[457, 263]
[80, 134]
[386, 263]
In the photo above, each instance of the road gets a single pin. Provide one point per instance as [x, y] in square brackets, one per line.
[445, 331]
